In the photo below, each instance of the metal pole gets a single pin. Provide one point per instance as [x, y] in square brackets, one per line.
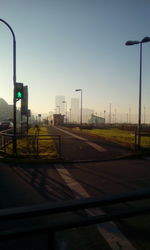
[129, 115]
[110, 113]
[81, 107]
[140, 97]
[70, 115]
[21, 121]
[14, 83]
[66, 112]
[144, 114]
[14, 78]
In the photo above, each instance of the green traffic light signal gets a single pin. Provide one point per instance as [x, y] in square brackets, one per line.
[19, 91]
[19, 95]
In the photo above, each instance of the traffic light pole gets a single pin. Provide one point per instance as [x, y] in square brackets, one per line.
[14, 83]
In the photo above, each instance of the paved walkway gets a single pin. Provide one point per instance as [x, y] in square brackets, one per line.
[82, 147]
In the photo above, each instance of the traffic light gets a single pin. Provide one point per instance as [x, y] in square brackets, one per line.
[24, 101]
[19, 90]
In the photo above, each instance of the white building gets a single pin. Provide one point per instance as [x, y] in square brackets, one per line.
[59, 105]
[75, 110]
[96, 120]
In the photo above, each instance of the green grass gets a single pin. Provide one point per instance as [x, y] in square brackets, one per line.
[28, 146]
[118, 135]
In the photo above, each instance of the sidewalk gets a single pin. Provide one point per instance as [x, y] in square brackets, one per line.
[82, 147]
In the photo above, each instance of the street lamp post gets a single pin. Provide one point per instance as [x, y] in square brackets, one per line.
[110, 113]
[144, 114]
[81, 106]
[14, 83]
[128, 43]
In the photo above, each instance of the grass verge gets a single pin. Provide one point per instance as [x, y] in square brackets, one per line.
[118, 135]
[44, 147]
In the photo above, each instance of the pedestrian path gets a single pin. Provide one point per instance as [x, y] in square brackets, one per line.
[92, 144]
[78, 147]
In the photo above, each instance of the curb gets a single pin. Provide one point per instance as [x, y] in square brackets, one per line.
[63, 161]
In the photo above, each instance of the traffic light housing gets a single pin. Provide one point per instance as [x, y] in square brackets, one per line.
[19, 91]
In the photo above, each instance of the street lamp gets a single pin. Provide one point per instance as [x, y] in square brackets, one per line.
[66, 109]
[81, 105]
[128, 43]
[14, 83]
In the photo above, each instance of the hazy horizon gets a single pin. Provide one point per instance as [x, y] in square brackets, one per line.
[65, 45]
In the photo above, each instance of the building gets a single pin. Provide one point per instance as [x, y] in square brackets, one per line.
[86, 114]
[96, 120]
[7, 110]
[74, 116]
[59, 105]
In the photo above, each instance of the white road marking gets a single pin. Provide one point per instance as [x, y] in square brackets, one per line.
[96, 146]
[92, 144]
[109, 230]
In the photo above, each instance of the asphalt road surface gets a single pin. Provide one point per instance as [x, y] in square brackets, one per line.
[79, 176]
[76, 146]
[27, 184]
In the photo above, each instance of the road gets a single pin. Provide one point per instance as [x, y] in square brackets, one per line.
[78, 146]
[25, 184]
[89, 170]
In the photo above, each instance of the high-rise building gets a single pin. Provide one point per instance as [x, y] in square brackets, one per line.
[59, 105]
[75, 111]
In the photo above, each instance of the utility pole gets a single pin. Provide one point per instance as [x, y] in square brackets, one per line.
[144, 113]
[110, 113]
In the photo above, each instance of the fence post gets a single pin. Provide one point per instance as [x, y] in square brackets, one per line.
[37, 143]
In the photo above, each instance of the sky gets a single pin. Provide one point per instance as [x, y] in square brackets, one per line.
[62, 45]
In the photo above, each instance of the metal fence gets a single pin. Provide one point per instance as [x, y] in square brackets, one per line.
[30, 145]
[5, 139]
[53, 226]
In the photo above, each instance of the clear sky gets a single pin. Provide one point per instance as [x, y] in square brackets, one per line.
[67, 44]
